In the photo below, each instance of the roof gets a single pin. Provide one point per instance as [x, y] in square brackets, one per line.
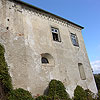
[24, 3]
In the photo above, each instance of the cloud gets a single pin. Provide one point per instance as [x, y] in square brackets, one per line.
[96, 66]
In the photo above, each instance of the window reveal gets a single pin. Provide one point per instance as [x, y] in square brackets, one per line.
[81, 71]
[55, 34]
[74, 40]
[44, 60]
[47, 59]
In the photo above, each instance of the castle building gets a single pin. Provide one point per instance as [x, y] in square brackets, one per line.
[40, 46]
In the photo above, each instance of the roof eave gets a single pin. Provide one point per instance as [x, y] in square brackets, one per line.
[47, 12]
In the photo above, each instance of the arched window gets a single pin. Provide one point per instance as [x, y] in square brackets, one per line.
[44, 60]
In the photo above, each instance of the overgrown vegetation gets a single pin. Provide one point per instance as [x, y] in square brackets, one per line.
[89, 95]
[97, 80]
[5, 78]
[20, 94]
[57, 90]
[43, 98]
[98, 96]
[79, 93]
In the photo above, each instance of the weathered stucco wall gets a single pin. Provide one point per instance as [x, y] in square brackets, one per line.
[26, 34]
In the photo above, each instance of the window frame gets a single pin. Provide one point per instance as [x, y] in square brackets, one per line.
[74, 39]
[56, 33]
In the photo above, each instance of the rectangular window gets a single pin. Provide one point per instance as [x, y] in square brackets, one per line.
[81, 71]
[74, 39]
[56, 34]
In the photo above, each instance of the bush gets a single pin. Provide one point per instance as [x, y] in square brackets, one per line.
[43, 98]
[89, 94]
[57, 90]
[5, 78]
[79, 93]
[20, 94]
[98, 95]
[97, 80]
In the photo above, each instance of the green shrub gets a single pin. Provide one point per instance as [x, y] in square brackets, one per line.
[5, 78]
[98, 95]
[43, 98]
[89, 94]
[20, 94]
[57, 90]
[79, 93]
[97, 80]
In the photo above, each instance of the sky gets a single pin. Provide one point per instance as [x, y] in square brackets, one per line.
[83, 12]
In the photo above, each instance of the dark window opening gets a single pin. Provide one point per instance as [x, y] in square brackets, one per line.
[52, 30]
[55, 37]
[74, 39]
[55, 34]
[44, 60]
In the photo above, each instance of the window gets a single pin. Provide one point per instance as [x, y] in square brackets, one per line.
[81, 71]
[55, 34]
[44, 60]
[74, 39]
[47, 59]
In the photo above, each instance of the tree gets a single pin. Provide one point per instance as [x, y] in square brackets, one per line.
[97, 80]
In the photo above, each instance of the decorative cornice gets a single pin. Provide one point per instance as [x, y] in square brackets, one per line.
[44, 15]
[51, 18]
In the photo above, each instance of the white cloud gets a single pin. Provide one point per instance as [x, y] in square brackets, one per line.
[96, 66]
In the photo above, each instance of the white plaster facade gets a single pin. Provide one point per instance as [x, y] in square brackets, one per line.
[25, 32]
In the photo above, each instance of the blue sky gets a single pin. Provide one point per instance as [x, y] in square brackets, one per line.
[83, 12]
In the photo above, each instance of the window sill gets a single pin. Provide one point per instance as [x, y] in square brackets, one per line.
[47, 65]
[76, 45]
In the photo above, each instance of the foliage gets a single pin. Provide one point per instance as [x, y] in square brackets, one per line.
[89, 94]
[98, 95]
[43, 98]
[57, 90]
[97, 80]
[5, 78]
[79, 93]
[20, 94]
